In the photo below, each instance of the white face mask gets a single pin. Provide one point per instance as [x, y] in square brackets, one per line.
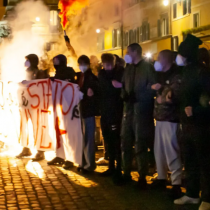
[27, 64]
[128, 59]
[83, 69]
[180, 60]
[158, 66]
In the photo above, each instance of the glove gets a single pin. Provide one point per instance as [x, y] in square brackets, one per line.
[67, 39]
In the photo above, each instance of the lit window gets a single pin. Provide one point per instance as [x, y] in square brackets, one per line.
[53, 18]
[196, 19]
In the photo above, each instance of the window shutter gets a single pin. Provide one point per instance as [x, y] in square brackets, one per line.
[147, 31]
[140, 34]
[167, 26]
[137, 35]
[159, 28]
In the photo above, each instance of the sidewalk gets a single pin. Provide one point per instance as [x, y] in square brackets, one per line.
[30, 185]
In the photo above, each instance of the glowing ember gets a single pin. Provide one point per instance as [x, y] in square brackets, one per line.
[70, 7]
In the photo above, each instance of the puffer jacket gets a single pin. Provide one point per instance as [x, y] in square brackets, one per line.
[171, 82]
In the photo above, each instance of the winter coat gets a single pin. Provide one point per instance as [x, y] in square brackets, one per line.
[195, 92]
[90, 105]
[171, 82]
[111, 103]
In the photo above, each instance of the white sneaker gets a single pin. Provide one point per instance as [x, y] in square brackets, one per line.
[102, 161]
[204, 206]
[186, 200]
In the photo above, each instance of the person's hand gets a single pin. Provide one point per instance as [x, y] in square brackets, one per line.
[168, 97]
[90, 92]
[67, 39]
[159, 99]
[116, 84]
[188, 111]
[156, 86]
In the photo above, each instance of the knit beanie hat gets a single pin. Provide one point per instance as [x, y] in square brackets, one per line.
[189, 48]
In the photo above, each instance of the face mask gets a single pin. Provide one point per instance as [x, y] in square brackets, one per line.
[83, 69]
[128, 59]
[180, 60]
[27, 64]
[158, 66]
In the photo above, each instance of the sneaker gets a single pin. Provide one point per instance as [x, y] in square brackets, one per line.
[142, 184]
[107, 173]
[39, 156]
[176, 192]
[204, 206]
[158, 184]
[68, 165]
[26, 152]
[186, 200]
[102, 161]
[56, 161]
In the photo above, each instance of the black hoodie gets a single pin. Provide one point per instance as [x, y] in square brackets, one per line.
[62, 71]
[32, 71]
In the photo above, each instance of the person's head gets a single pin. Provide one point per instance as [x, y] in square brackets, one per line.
[188, 50]
[204, 57]
[32, 61]
[108, 61]
[59, 61]
[84, 63]
[165, 60]
[117, 59]
[122, 62]
[135, 52]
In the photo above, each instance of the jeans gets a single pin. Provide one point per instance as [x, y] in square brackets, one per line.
[88, 127]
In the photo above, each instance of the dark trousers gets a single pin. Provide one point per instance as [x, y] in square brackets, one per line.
[196, 142]
[111, 134]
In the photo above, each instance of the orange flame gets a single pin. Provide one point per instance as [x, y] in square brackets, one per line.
[70, 7]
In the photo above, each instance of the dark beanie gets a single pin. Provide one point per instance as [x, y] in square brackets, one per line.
[189, 48]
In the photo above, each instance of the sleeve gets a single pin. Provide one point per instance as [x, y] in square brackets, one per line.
[151, 80]
[124, 94]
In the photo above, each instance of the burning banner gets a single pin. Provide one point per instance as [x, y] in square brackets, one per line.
[68, 8]
[43, 114]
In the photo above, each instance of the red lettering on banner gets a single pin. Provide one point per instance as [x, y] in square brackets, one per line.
[44, 127]
[61, 99]
[49, 92]
[58, 131]
[43, 89]
[33, 96]
[2, 92]
[56, 90]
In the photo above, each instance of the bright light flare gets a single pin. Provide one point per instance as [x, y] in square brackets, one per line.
[37, 19]
[98, 31]
[148, 55]
[166, 2]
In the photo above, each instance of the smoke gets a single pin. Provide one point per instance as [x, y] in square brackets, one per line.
[30, 22]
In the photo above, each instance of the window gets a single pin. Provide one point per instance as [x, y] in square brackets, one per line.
[126, 39]
[196, 20]
[116, 38]
[138, 35]
[175, 11]
[100, 42]
[145, 31]
[53, 18]
[175, 43]
[131, 37]
[164, 25]
[186, 7]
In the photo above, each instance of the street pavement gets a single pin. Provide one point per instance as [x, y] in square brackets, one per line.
[35, 185]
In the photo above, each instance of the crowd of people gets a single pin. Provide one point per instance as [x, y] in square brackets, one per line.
[160, 109]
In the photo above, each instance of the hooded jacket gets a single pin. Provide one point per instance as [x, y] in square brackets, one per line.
[31, 72]
[62, 71]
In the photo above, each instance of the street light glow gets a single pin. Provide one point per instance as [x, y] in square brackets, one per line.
[98, 31]
[165, 2]
[148, 55]
[37, 19]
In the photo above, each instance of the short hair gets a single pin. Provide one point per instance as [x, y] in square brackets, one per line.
[84, 59]
[136, 47]
[168, 54]
[107, 58]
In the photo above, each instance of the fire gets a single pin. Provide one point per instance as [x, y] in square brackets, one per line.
[70, 7]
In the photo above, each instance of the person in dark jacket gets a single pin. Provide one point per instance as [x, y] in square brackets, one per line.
[195, 119]
[111, 113]
[138, 122]
[67, 74]
[89, 106]
[166, 114]
[32, 72]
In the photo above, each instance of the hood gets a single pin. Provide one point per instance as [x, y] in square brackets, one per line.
[34, 60]
[62, 59]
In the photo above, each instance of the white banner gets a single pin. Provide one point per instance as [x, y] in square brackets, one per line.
[44, 114]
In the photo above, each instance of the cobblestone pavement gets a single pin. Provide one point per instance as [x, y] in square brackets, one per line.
[29, 185]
